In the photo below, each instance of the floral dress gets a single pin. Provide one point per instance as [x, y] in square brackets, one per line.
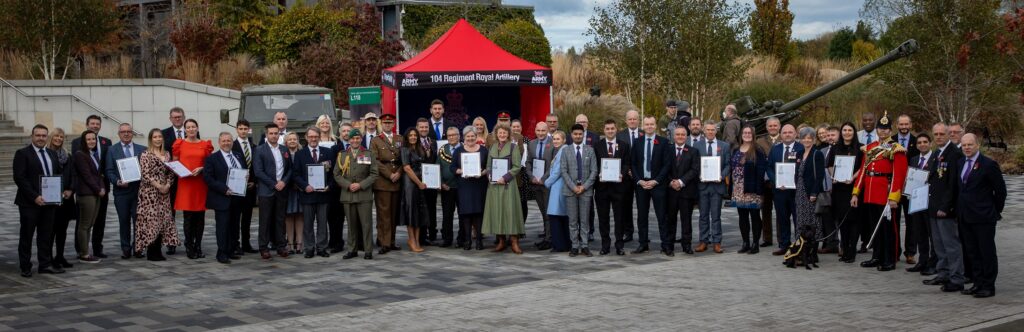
[154, 217]
[743, 200]
[804, 207]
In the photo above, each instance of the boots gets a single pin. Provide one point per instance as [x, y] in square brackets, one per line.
[501, 244]
[197, 237]
[515, 246]
[745, 248]
[153, 250]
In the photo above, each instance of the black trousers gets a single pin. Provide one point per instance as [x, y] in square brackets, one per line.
[981, 251]
[922, 235]
[469, 226]
[449, 199]
[430, 200]
[61, 220]
[849, 229]
[194, 222]
[37, 221]
[245, 219]
[272, 212]
[885, 247]
[680, 213]
[785, 209]
[968, 263]
[644, 198]
[611, 203]
[902, 215]
[227, 232]
[100, 223]
[335, 223]
[766, 213]
[750, 218]
[828, 226]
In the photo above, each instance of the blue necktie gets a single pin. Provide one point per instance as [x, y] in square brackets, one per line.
[579, 164]
[127, 151]
[540, 150]
[437, 129]
[869, 139]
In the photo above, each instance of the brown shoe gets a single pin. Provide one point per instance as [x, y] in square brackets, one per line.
[515, 246]
[718, 248]
[501, 244]
[282, 253]
[701, 247]
[911, 260]
[265, 254]
[779, 252]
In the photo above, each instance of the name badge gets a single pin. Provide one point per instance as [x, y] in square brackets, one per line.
[364, 160]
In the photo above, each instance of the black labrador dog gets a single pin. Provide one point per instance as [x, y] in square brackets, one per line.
[804, 250]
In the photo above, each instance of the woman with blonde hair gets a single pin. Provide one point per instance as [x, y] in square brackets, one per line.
[327, 138]
[293, 219]
[154, 221]
[481, 130]
[68, 209]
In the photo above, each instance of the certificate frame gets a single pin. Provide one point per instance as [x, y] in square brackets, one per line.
[919, 199]
[916, 178]
[710, 169]
[844, 168]
[788, 181]
[315, 176]
[238, 179]
[499, 167]
[431, 176]
[129, 170]
[470, 165]
[52, 189]
[179, 169]
[538, 168]
[611, 170]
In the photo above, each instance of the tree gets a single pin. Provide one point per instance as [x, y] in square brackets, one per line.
[54, 32]
[841, 46]
[1008, 45]
[771, 25]
[523, 39]
[864, 52]
[300, 26]
[248, 19]
[197, 36]
[864, 32]
[958, 74]
[673, 47]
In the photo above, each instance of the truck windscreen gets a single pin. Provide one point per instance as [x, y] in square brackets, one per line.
[297, 106]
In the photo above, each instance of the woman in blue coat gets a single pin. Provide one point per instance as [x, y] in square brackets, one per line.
[557, 213]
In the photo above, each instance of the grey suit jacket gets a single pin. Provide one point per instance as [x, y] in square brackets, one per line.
[265, 169]
[116, 153]
[723, 154]
[570, 167]
[531, 153]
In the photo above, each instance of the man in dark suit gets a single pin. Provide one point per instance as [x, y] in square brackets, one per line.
[920, 232]
[766, 143]
[682, 193]
[221, 199]
[539, 150]
[94, 123]
[629, 135]
[909, 141]
[612, 195]
[126, 194]
[429, 195]
[31, 163]
[171, 134]
[982, 196]
[437, 123]
[314, 200]
[651, 161]
[272, 168]
[712, 190]
[244, 147]
[941, 214]
[449, 189]
[787, 151]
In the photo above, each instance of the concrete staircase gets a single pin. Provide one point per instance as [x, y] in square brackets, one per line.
[12, 138]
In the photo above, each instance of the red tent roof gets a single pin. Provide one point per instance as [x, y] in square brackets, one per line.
[463, 48]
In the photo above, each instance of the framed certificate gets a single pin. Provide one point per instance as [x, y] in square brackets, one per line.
[710, 169]
[844, 168]
[237, 180]
[916, 178]
[471, 165]
[51, 189]
[315, 176]
[785, 175]
[611, 169]
[538, 169]
[179, 169]
[499, 167]
[432, 176]
[918, 199]
[129, 170]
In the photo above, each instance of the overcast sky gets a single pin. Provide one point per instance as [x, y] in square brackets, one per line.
[565, 21]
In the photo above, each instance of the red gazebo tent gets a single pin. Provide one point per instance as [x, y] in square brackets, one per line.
[463, 57]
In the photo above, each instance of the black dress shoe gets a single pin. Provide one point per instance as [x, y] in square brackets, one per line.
[446, 244]
[641, 249]
[870, 263]
[139, 254]
[543, 245]
[100, 255]
[687, 250]
[337, 250]
[668, 253]
[368, 256]
[309, 254]
[916, 268]
[479, 245]
[862, 251]
[350, 255]
[250, 250]
[126, 254]
[983, 293]
[54, 270]
[928, 271]
[394, 247]
[766, 244]
[753, 250]
[324, 254]
[426, 243]
[628, 238]
[64, 264]
[586, 252]
[382, 251]
[234, 257]
[969, 291]
[889, 267]
[620, 252]
[968, 280]
[573, 252]
[171, 250]
[26, 273]
[935, 281]
[949, 288]
[604, 251]
[223, 260]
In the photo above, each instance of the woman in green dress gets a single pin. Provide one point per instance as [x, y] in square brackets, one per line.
[502, 215]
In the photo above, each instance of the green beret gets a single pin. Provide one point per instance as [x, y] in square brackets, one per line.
[354, 132]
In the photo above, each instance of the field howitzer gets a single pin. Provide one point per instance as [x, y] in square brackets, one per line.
[756, 114]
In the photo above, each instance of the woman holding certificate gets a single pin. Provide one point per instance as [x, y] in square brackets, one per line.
[844, 160]
[472, 189]
[558, 214]
[810, 173]
[68, 209]
[413, 214]
[749, 165]
[154, 222]
[191, 196]
[89, 186]
[502, 216]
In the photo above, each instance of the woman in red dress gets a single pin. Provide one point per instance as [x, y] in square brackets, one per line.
[191, 195]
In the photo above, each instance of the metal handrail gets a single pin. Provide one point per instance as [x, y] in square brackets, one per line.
[3, 103]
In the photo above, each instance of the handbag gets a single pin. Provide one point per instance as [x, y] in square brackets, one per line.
[824, 200]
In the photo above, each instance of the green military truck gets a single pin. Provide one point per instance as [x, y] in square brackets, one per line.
[303, 104]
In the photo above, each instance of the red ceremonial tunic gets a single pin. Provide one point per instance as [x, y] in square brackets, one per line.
[883, 173]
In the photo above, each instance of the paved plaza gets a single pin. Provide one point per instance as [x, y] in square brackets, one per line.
[453, 289]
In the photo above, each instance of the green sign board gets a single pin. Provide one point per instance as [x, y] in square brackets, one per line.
[365, 95]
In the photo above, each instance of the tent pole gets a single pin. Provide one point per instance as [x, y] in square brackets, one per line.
[551, 99]
[396, 110]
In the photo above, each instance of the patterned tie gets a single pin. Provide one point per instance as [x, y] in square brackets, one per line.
[786, 154]
[179, 134]
[921, 164]
[46, 162]
[903, 141]
[234, 164]
[679, 151]
[611, 150]
[314, 150]
[245, 151]
[967, 171]
[579, 164]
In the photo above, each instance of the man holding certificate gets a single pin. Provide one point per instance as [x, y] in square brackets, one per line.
[312, 169]
[224, 201]
[613, 194]
[539, 153]
[881, 180]
[784, 157]
[32, 164]
[124, 173]
[579, 172]
[714, 160]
